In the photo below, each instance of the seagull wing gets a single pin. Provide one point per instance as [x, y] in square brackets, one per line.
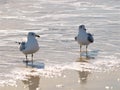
[22, 46]
[90, 38]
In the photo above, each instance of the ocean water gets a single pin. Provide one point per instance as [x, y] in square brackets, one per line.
[57, 21]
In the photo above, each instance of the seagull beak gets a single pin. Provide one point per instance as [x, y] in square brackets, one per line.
[37, 35]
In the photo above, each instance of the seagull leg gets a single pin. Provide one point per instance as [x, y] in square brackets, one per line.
[32, 59]
[86, 50]
[80, 50]
[26, 60]
[80, 47]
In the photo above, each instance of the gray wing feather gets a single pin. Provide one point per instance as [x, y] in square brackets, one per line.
[22, 46]
[90, 38]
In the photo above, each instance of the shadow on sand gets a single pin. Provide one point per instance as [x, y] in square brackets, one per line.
[90, 55]
[38, 65]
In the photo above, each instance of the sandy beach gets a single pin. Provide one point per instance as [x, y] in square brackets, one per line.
[59, 65]
[71, 80]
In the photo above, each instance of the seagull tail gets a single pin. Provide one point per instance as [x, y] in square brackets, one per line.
[76, 38]
[90, 38]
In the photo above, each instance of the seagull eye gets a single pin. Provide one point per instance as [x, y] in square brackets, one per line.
[32, 34]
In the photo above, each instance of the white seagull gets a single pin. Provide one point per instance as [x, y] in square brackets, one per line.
[84, 38]
[31, 46]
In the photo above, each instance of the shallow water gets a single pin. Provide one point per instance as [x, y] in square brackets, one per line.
[58, 59]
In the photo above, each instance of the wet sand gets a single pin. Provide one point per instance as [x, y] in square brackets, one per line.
[71, 80]
[58, 65]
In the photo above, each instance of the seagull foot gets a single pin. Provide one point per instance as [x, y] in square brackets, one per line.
[26, 61]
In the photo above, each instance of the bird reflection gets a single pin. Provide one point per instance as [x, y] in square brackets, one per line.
[83, 74]
[32, 82]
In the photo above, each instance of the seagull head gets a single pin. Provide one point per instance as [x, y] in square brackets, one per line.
[82, 27]
[32, 34]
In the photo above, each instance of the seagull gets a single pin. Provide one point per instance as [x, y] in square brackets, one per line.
[84, 38]
[29, 47]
